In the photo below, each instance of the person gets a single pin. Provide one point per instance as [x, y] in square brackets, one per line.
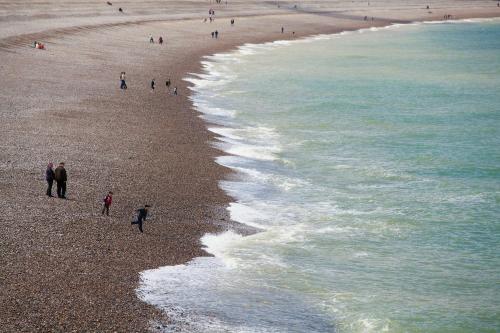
[282, 29]
[49, 177]
[216, 34]
[153, 85]
[123, 85]
[120, 10]
[151, 40]
[175, 91]
[160, 40]
[213, 34]
[61, 178]
[167, 83]
[142, 213]
[108, 199]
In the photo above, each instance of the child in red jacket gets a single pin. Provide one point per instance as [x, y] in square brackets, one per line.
[108, 199]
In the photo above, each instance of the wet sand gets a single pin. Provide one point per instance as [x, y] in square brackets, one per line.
[65, 267]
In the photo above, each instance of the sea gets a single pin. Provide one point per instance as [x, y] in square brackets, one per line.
[370, 162]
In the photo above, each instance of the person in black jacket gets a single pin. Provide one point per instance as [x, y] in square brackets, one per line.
[61, 178]
[141, 216]
[49, 177]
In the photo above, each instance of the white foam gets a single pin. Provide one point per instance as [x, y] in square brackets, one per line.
[247, 215]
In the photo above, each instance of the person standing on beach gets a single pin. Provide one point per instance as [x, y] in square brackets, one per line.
[123, 85]
[216, 34]
[108, 199]
[175, 91]
[49, 177]
[282, 29]
[160, 40]
[141, 216]
[153, 85]
[61, 178]
[151, 39]
[167, 83]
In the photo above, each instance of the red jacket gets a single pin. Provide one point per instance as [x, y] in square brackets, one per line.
[107, 200]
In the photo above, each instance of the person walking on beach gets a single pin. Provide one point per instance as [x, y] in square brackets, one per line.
[167, 83]
[175, 91]
[49, 177]
[108, 199]
[213, 34]
[123, 85]
[61, 178]
[216, 34]
[142, 213]
[282, 29]
[153, 85]
[160, 40]
[151, 40]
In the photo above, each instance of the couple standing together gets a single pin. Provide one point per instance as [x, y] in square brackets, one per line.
[60, 176]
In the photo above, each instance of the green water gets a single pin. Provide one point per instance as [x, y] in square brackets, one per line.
[372, 162]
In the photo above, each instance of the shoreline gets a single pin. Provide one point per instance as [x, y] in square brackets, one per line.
[62, 267]
[151, 277]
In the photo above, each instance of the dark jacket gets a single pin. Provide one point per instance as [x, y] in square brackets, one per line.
[60, 174]
[142, 213]
[49, 175]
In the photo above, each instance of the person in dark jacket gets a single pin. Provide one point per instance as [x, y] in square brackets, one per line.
[61, 178]
[49, 177]
[141, 216]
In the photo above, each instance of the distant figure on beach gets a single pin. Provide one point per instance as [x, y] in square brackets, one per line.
[175, 91]
[108, 199]
[120, 10]
[142, 213]
[123, 85]
[282, 29]
[61, 178]
[216, 34]
[427, 7]
[232, 21]
[160, 40]
[151, 39]
[109, 3]
[213, 34]
[167, 83]
[49, 177]
[39, 46]
[153, 85]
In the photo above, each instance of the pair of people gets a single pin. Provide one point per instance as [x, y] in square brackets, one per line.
[168, 83]
[152, 40]
[142, 213]
[60, 176]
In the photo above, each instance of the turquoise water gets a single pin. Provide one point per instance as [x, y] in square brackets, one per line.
[371, 161]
